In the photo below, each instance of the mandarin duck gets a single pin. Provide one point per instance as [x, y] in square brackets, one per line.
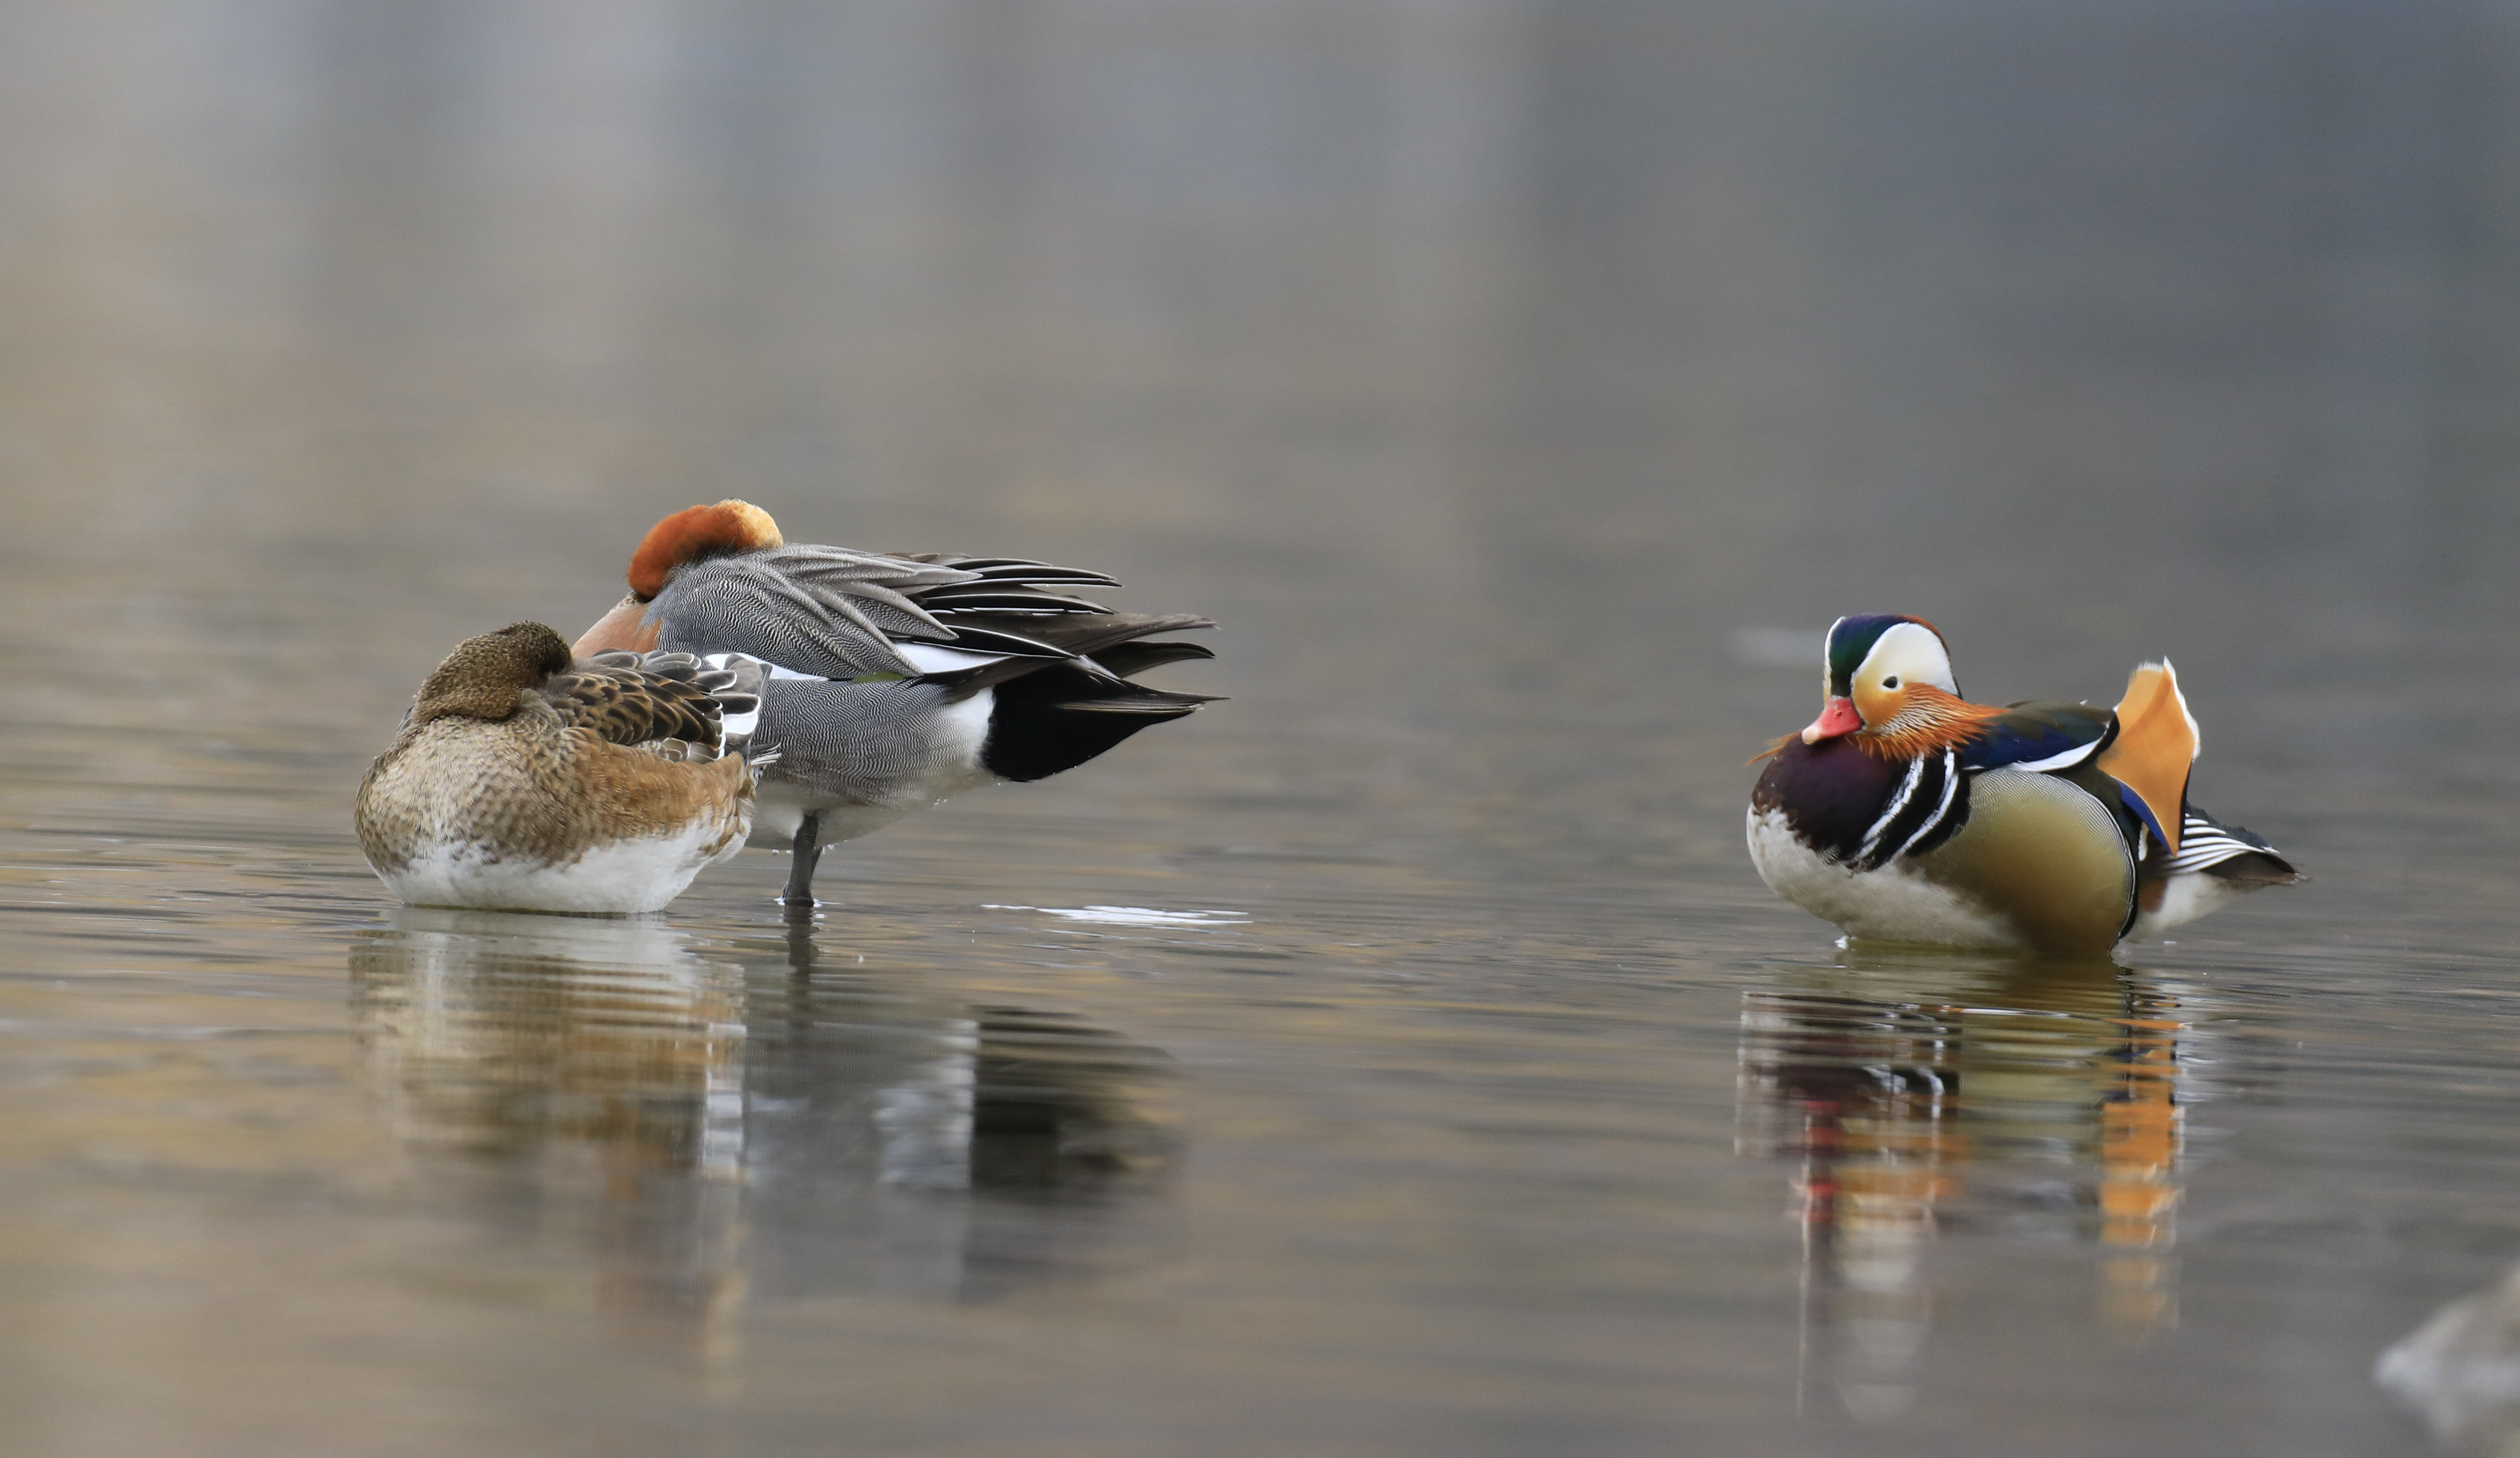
[890, 681]
[1907, 814]
[523, 781]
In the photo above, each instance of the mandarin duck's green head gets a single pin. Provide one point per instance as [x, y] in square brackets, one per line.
[1870, 667]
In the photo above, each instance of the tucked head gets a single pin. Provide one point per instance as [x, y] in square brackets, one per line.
[696, 532]
[1873, 666]
[692, 534]
[486, 675]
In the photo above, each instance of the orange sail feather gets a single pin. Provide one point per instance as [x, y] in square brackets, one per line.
[2156, 743]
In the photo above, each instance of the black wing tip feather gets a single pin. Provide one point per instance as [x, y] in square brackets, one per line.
[1130, 659]
[1145, 701]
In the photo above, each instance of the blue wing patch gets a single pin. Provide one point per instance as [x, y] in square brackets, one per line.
[2144, 812]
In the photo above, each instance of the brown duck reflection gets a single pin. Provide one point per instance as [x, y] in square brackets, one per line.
[1921, 1092]
[710, 1124]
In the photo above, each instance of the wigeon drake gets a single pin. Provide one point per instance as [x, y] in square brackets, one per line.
[1906, 812]
[522, 781]
[890, 681]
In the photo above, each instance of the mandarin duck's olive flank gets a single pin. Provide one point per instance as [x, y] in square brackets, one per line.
[1904, 813]
[891, 681]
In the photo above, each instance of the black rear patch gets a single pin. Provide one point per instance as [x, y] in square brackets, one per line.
[1058, 718]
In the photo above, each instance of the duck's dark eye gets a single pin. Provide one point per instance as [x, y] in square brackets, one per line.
[1891, 682]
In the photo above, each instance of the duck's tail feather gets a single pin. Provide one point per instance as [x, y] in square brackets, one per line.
[1056, 717]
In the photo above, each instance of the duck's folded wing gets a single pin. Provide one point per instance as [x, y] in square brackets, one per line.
[2041, 737]
[817, 610]
[838, 614]
[625, 700]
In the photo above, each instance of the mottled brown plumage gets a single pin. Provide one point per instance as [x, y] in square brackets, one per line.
[520, 783]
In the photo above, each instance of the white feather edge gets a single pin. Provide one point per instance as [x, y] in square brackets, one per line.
[2065, 761]
[926, 657]
[2178, 696]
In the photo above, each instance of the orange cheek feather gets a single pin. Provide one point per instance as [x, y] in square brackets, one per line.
[1880, 706]
[622, 630]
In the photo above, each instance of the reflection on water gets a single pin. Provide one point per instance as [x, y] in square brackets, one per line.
[1918, 1093]
[1503, 375]
[719, 1123]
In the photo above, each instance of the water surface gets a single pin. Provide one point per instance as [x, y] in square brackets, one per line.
[1399, 1057]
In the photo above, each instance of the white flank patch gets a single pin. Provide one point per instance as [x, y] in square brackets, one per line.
[623, 878]
[1133, 915]
[934, 658]
[1892, 905]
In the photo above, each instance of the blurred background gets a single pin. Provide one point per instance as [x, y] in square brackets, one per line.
[1524, 384]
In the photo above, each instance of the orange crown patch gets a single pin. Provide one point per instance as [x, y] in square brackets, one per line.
[695, 532]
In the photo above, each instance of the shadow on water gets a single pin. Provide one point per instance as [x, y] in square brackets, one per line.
[717, 1125]
[1920, 1092]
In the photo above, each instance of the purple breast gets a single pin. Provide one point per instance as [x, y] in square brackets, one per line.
[1831, 792]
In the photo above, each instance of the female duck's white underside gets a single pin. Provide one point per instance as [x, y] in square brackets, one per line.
[619, 879]
[1893, 904]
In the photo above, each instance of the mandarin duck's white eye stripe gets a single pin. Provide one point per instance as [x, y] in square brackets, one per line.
[1909, 653]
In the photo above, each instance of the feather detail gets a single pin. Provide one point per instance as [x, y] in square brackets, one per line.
[2156, 743]
[1928, 720]
[1776, 747]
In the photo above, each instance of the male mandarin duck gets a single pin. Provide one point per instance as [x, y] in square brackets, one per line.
[1907, 814]
[890, 681]
[523, 781]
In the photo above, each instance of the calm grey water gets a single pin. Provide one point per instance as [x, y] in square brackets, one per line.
[1400, 1057]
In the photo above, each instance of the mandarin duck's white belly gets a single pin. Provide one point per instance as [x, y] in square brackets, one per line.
[1895, 903]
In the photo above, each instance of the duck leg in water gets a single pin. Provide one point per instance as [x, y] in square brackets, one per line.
[808, 850]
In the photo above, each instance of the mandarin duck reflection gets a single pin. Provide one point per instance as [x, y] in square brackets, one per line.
[1907, 814]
